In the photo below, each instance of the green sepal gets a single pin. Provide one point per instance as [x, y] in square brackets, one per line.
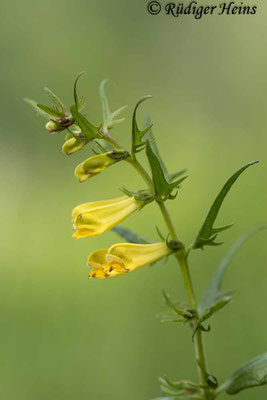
[251, 374]
[118, 154]
[214, 291]
[57, 102]
[131, 236]
[144, 195]
[163, 189]
[78, 103]
[208, 312]
[207, 234]
[109, 118]
[89, 131]
[51, 111]
[137, 135]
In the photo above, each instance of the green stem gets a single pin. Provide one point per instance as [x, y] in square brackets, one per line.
[181, 257]
[139, 168]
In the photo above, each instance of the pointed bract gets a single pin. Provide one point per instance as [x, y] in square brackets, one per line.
[207, 233]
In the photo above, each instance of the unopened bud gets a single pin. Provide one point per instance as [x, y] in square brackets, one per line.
[96, 164]
[72, 145]
[53, 126]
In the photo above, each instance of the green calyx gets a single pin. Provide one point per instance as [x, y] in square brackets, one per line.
[145, 196]
[175, 245]
[118, 155]
[59, 124]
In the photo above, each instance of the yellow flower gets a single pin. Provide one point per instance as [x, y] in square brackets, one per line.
[92, 219]
[96, 164]
[122, 258]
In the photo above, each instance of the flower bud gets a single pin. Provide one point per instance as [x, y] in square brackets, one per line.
[53, 126]
[96, 164]
[72, 145]
[58, 124]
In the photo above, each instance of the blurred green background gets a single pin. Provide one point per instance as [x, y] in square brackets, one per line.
[63, 336]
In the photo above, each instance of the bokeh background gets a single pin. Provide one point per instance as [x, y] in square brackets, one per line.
[63, 336]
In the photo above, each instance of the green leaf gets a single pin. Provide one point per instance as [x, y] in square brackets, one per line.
[214, 291]
[154, 147]
[180, 309]
[34, 105]
[89, 131]
[207, 233]
[109, 118]
[252, 374]
[130, 236]
[137, 135]
[57, 102]
[163, 189]
[212, 309]
[78, 103]
[51, 111]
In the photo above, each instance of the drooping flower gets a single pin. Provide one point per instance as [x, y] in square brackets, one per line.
[122, 258]
[92, 219]
[96, 164]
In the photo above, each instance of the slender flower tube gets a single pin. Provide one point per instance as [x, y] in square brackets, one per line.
[96, 164]
[92, 219]
[122, 258]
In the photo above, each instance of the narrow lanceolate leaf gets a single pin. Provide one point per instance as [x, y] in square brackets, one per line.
[163, 189]
[214, 291]
[208, 233]
[78, 103]
[130, 236]
[109, 118]
[137, 135]
[51, 111]
[208, 312]
[252, 374]
[34, 105]
[89, 131]
[57, 102]
[154, 147]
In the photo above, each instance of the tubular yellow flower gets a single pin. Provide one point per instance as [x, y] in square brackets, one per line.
[92, 219]
[122, 258]
[96, 164]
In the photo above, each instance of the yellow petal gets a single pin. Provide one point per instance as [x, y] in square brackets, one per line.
[93, 219]
[133, 256]
[94, 204]
[97, 259]
[104, 274]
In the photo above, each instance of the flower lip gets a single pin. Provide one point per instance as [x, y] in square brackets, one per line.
[125, 257]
